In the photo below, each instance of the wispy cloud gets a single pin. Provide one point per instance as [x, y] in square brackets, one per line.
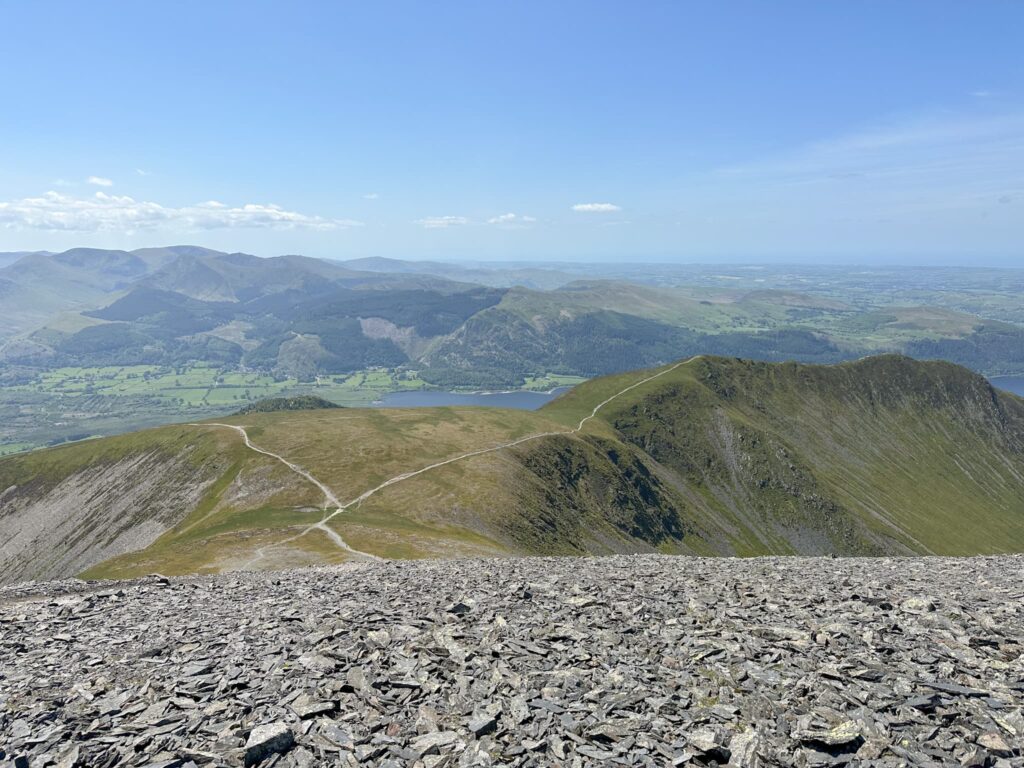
[141, 172]
[925, 183]
[443, 222]
[596, 208]
[104, 212]
[931, 163]
[371, 196]
[903, 145]
[511, 220]
[99, 181]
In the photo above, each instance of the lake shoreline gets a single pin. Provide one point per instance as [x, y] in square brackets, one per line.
[1012, 384]
[518, 399]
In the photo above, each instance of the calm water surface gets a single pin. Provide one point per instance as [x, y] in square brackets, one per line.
[531, 401]
[524, 401]
[1013, 384]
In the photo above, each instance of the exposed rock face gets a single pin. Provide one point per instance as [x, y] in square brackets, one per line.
[405, 339]
[101, 511]
[645, 660]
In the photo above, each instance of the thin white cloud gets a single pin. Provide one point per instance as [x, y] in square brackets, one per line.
[929, 166]
[511, 220]
[104, 212]
[142, 172]
[371, 196]
[99, 181]
[596, 208]
[898, 147]
[442, 222]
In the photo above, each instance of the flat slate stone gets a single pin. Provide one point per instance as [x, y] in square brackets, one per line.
[267, 740]
[620, 661]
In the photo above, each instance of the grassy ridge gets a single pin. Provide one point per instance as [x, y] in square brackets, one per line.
[349, 450]
[872, 455]
[714, 456]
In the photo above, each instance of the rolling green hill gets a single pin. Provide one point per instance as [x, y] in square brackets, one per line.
[709, 456]
[188, 324]
[39, 285]
[300, 317]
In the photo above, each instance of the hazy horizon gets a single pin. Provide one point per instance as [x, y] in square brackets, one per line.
[594, 132]
[554, 262]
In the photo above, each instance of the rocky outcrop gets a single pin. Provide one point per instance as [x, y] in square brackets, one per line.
[634, 661]
[50, 530]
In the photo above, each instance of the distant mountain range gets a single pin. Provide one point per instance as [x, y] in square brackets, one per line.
[9, 257]
[457, 326]
[713, 456]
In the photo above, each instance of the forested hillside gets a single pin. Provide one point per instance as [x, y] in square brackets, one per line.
[124, 339]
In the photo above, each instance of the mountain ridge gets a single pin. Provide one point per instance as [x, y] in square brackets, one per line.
[125, 339]
[884, 455]
[579, 326]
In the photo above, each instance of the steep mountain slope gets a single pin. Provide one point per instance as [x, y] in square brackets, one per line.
[101, 499]
[599, 327]
[297, 317]
[291, 315]
[712, 456]
[241, 277]
[40, 285]
[9, 257]
[884, 453]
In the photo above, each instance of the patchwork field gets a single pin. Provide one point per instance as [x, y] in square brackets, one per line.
[74, 403]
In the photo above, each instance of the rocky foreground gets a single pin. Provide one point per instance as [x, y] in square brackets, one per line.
[534, 662]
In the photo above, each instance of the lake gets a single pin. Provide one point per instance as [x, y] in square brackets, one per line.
[1013, 384]
[520, 400]
[531, 401]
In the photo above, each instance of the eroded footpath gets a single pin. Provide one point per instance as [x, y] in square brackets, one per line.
[644, 660]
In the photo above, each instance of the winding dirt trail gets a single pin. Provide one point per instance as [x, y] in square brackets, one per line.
[327, 492]
[340, 507]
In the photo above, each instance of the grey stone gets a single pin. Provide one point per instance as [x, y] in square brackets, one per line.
[621, 661]
[266, 740]
[432, 742]
[305, 707]
[481, 726]
[846, 732]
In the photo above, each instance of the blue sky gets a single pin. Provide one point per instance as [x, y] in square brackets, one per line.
[852, 132]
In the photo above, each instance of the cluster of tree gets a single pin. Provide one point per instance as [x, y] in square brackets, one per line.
[338, 347]
[500, 348]
[428, 313]
[126, 344]
[994, 349]
[315, 329]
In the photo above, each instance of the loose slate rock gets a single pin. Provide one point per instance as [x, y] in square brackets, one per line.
[267, 740]
[622, 661]
[434, 742]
